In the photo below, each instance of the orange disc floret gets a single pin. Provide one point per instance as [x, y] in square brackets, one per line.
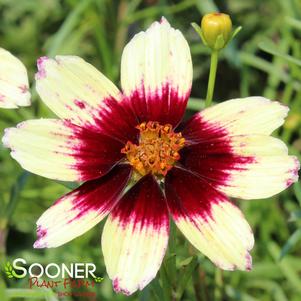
[157, 151]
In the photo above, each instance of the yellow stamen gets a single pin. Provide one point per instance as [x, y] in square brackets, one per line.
[157, 151]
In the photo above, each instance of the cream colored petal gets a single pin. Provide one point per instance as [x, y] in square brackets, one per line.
[133, 254]
[156, 72]
[59, 150]
[80, 210]
[135, 237]
[73, 89]
[261, 177]
[246, 166]
[14, 87]
[245, 116]
[268, 171]
[257, 145]
[230, 148]
[209, 221]
[223, 235]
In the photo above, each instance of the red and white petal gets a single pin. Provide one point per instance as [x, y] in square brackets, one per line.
[242, 116]
[209, 221]
[156, 73]
[246, 166]
[60, 150]
[14, 87]
[135, 237]
[72, 88]
[76, 91]
[80, 210]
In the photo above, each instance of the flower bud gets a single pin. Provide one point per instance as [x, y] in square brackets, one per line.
[216, 30]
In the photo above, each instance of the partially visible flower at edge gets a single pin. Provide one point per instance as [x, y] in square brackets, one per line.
[109, 138]
[14, 87]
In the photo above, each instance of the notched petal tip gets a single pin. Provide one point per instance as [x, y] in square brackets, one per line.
[159, 24]
[163, 20]
[248, 262]
[118, 289]
[41, 67]
[41, 233]
[294, 172]
[5, 138]
[39, 245]
[7, 134]
[247, 266]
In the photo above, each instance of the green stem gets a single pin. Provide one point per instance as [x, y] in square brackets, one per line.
[212, 75]
[3, 235]
[218, 290]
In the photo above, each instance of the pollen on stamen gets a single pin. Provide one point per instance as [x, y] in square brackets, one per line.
[157, 151]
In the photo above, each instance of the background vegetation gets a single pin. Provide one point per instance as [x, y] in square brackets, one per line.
[264, 59]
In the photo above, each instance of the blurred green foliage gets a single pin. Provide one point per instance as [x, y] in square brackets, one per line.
[263, 60]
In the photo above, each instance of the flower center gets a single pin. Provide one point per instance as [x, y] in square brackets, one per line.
[157, 151]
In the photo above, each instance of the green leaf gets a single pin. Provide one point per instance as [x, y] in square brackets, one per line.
[236, 294]
[186, 275]
[3, 296]
[270, 47]
[291, 242]
[198, 29]
[287, 269]
[293, 23]
[235, 32]
[273, 288]
[166, 284]
[157, 290]
[219, 42]
[206, 6]
[15, 193]
[69, 24]
[69, 185]
[170, 265]
[295, 215]
[297, 191]
[265, 66]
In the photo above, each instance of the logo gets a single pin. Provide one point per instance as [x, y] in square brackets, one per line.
[66, 276]
[10, 272]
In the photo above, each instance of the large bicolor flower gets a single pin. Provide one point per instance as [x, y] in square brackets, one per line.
[111, 140]
[14, 87]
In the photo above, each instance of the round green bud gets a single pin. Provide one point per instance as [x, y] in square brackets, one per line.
[216, 30]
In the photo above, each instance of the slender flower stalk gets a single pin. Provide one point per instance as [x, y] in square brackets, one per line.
[107, 138]
[212, 76]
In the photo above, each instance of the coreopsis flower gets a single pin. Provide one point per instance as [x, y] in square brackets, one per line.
[14, 87]
[140, 164]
